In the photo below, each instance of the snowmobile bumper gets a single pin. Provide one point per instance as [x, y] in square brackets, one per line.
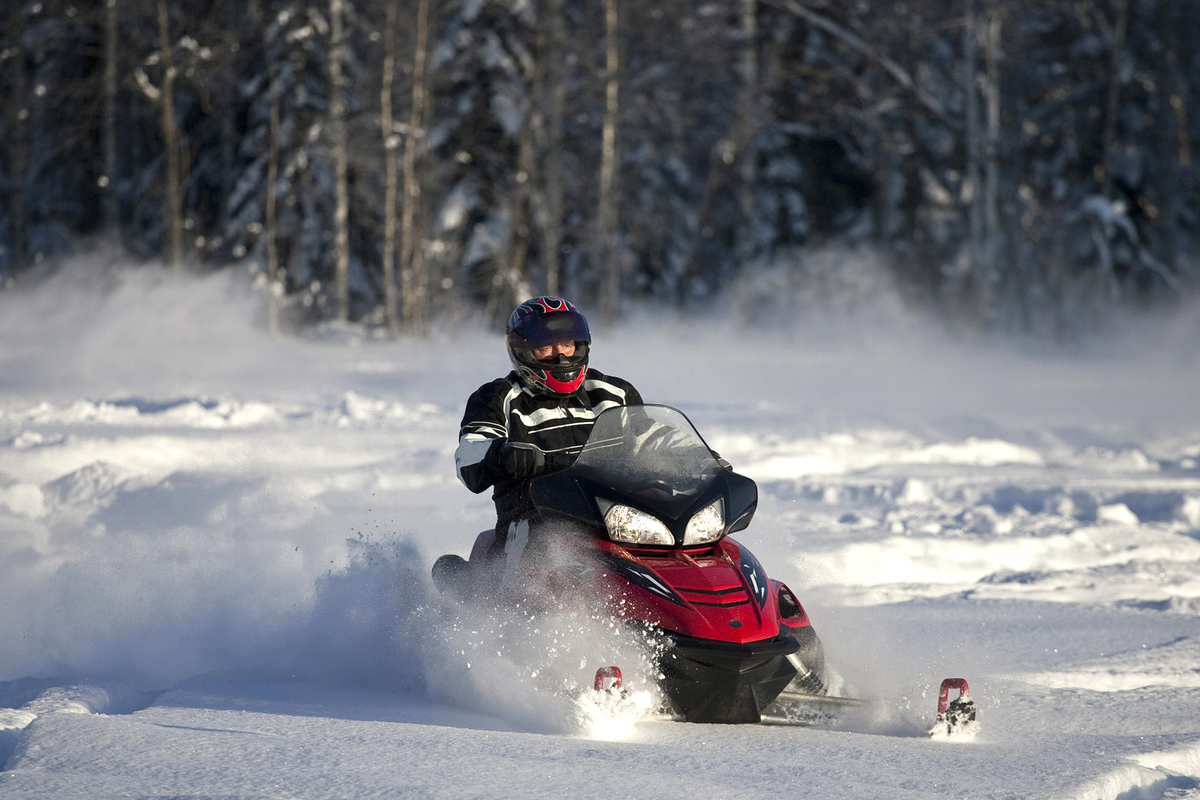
[726, 682]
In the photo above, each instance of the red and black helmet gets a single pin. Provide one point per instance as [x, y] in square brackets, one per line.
[545, 321]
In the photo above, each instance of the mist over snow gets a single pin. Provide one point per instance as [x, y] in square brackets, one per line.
[215, 547]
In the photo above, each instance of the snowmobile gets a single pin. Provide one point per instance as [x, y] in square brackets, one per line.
[649, 510]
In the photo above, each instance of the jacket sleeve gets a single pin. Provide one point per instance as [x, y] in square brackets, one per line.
[483, 432]
[632, 396]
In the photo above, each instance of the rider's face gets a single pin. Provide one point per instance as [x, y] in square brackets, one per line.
[552, 351]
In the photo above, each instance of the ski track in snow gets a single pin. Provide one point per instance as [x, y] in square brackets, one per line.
[214, 555]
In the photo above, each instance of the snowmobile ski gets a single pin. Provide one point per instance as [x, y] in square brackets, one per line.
[955, 717]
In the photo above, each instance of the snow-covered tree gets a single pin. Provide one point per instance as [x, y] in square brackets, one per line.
[481, 66]
[1011, 164]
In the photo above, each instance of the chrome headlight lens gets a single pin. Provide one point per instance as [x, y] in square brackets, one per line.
[707, 526]
[630, 526]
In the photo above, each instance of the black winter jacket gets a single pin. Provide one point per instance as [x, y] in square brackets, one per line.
[505, 409]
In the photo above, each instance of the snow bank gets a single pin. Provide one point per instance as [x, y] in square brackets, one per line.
[1173, 773]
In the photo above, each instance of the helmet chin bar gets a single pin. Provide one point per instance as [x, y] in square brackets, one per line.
[545, 380]
[566, 387]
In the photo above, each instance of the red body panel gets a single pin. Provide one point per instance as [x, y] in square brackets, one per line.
[713, 597]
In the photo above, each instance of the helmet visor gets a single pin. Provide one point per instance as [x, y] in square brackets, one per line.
[561, 374]
[547, 329]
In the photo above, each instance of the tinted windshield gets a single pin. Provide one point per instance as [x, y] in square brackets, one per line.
[648, 450]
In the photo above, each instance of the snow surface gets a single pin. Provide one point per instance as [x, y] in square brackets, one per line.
[214, 549]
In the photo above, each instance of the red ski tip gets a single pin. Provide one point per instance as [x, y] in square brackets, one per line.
[964, 693]
[608, 678]
[955, 717]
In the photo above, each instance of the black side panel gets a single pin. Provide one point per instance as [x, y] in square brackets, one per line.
[639, 576]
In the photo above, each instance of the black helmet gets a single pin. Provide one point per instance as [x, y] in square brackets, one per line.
[545, 321]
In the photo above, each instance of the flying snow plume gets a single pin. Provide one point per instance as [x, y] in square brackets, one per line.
[537, 669]
[99, 326]
[178, 490]
[365, 628]
[612, 715]
[900, 688]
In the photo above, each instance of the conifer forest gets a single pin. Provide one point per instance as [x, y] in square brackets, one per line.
[1024, 165]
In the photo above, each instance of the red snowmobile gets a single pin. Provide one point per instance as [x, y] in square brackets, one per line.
[649, 509]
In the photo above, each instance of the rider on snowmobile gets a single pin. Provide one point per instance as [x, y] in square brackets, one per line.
[545, 407]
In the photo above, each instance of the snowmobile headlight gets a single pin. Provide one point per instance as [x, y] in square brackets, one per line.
[630, 526]
[707, 525]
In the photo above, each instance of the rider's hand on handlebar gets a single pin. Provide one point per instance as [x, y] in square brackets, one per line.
[521, 460]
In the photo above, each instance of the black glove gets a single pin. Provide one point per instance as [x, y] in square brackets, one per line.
[520, 460]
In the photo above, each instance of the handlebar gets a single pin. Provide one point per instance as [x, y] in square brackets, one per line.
[557, 461]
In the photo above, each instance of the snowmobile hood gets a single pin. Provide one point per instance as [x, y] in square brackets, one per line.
[719, 593]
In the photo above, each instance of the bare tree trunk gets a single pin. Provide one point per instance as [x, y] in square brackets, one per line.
[991, 204]
[746, 165]
[1173, 157]
[111, 209]
[546, 95]
[1114, 94]
[974, 149]
[884, 147]
[171, 143]
[275, 288]
[913, 234]
[388, 124]
[530, 207]
[415, 283]
[341, 159]
[517, 267]
[733, 151]
[18, 143]
[552, 183]
[609, 259]
[983, 165]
